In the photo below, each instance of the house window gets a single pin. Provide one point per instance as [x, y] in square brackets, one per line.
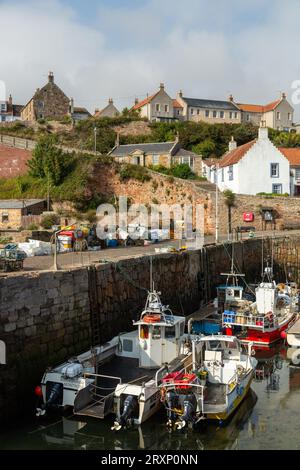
[166, 108]
[222, 114]
[186, 160]
[277, 188]
[207, 113]
[198, 111]
[297, 173]
[222, 175]
[214, 114]
[157, 107]
[230, 173]
[3, 118]
[5, 217]
[230, 115]
[178, 112]
[155, 159]
[278, 115]
[192, 111]
[289, 116]
[3, 107]
[274, 170]
[236, 115]
[248, 117]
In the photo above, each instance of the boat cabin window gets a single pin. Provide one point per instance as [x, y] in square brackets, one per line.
[156, 332]
[144, 332]
[127, 345]
[170, 331]
[214, 346]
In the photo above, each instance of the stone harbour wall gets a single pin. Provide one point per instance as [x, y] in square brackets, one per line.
[48, 317]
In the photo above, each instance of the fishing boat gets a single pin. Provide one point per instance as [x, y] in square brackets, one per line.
[121, 376]
[217, 384]
[262, 321]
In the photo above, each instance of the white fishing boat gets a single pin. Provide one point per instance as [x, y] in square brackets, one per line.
[121, 376]
[219, 381]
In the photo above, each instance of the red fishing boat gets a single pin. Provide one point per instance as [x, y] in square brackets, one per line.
[262, 321]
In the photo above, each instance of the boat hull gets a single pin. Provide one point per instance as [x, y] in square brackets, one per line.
[266, 338]
[233, 402]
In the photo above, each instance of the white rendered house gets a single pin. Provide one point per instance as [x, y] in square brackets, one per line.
[255, 167]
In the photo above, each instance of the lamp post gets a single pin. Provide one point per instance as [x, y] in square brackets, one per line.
[217, 205]
[55, 266]
[95, 135]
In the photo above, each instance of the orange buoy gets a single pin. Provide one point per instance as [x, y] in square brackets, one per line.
[152, 318]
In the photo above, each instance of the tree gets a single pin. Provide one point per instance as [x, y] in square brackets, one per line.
[205, 148]
[229, 201]
[48, 161]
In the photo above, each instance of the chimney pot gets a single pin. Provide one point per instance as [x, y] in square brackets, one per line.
[232, 144]
[283, 96]
[51, 77]
[263, 131]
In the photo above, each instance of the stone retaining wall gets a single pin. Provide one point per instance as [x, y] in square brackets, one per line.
[47, 317]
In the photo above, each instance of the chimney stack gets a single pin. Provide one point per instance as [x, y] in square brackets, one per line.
[263, 131]
[180, 94]
[231, 98]
[136, 101]
[110, 101]
[51, 77]
[232, 144]
[10, 101]
[162, 86]
[283, 96]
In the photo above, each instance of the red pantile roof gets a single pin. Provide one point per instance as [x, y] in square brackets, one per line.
[176, 104]
[258, 108]
[292, 154]
[146, 101]
[13, 161]
[234, 156]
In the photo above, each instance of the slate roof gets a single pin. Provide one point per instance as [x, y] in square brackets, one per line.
[78, 110]
[211, 104]
[159, 147]
[18, 204]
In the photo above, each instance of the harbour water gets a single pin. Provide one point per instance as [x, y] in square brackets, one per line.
[267, 419]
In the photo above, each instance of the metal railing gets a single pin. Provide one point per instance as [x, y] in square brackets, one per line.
[253, 321]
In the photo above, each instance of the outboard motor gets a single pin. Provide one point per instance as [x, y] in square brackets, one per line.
[189, 410]
[171, 403]
[130, 405]
[54, 395]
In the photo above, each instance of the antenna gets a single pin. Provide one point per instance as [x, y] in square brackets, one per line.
[151, 275]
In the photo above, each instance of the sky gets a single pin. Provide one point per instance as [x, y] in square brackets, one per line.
[124, 49]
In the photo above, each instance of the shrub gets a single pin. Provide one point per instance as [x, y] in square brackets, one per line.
[41, 121]
[91, 216]
[32, 227]
[183, 171]
[137, 172]
[49, 220]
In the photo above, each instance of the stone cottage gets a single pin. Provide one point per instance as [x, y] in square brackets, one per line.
[47, 102]
[157, 153]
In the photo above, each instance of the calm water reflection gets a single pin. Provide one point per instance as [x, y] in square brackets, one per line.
[267, 419]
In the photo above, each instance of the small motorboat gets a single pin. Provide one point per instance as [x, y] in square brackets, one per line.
[123, 375]
[218, 382]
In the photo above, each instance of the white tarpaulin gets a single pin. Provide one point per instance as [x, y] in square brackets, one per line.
[36, 248]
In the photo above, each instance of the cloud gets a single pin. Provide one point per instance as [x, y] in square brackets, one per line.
[208, 49]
